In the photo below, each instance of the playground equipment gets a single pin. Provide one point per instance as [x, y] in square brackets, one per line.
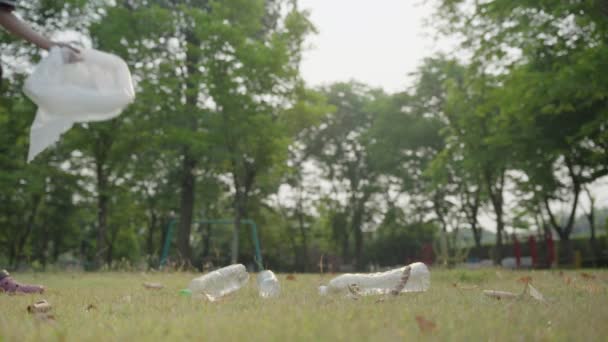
[254, 236]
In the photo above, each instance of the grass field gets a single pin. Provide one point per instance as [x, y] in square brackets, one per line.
[116, 307]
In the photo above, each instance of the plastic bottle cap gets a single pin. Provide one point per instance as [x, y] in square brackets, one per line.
[323, 290]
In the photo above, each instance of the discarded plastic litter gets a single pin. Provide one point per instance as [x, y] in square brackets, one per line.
[383, 282]
[500, 294]
[41, 306]
[220, 282]
[529, 290]
[185, 293]
[153, 286]
[323, 290]
[268, 284]
[97, 88]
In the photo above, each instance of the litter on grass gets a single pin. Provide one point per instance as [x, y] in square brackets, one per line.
[412, 278]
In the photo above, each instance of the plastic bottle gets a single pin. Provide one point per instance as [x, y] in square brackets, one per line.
[384, 282]
[220, 282]
[268, 284]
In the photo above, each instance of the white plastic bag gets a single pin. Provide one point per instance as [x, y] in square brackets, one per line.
[97, 88]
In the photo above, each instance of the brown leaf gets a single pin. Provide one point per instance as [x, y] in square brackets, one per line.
[587, 276]
[426, 326]
[500, 294]
[525, 280]
[354, 291]
[290, 277]
[567, 280]
[465, 287]
[403, 281]
[91, 307]
[590, 288]
[534, 293]
[153, 286]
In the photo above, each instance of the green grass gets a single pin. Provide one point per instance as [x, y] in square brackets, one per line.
[125, 311]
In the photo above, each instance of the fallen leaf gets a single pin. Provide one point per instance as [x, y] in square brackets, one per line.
[587, 276]
[380, 300]
[354, 291]
[591, 288]
[567, 280]
[465, 287]
[525, 280]
[426, 326]
[290, 277]
[500, 294]
[153, 286]
[91, 307]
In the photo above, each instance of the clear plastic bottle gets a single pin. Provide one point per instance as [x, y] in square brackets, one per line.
[384, 282]
[268, 284]
[220, 282]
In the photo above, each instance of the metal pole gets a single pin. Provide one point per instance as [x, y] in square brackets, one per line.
[254, 234]
[168, 238]
[256, 243]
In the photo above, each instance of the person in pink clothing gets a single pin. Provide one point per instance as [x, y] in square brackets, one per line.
[9, 285]
[11, 23]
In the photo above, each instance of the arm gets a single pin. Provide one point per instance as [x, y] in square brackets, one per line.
[20, 29]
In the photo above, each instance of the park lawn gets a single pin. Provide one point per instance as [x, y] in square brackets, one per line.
[120, 309]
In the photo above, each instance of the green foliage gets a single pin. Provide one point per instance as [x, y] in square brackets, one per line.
[225, 127]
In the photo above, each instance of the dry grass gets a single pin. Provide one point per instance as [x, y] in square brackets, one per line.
[117, 307]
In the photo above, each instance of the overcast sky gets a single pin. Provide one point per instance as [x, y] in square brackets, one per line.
[377, 42]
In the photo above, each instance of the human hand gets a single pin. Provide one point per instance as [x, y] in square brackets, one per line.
[73, 55]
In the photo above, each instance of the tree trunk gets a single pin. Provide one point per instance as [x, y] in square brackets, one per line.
[186, 206]
[207, 240]
[476, 235]
[29, 226]
[345, 248]
[102, 213]
[474, 207]
[303, 235]
[496, 197]
[358, 234]
[234, 247]
[151, 229]
[595, 248]
[566, 254]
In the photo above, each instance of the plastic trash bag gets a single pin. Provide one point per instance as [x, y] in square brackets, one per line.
[97, 88]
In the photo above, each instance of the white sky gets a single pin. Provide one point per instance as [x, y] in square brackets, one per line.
[377, 42]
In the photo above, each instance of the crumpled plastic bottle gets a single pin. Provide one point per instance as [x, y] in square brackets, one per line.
[219, 283]
[383, 282]
[268, 284]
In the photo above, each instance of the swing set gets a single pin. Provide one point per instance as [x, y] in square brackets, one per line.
[251, 223]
